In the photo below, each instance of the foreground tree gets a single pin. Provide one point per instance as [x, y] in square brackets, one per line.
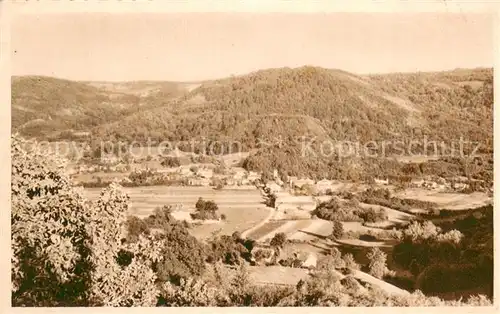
[66, 249]
[278, 241]
[337, 230]
[48, 223]
[378, 262]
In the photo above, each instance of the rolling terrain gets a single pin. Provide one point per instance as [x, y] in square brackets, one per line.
[269, 112]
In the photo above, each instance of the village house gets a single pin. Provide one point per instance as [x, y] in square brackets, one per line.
[458, 186]
[430, 185]
[253, 176]
[381, 181]
[299, 183]
[185, 171]
[273, 187]
[205, 173]
[199, 182]
[310, 261]
[126, 180]
[121, 167]
[417, 183]
[109, 159]
[239, 173]
[323, 186]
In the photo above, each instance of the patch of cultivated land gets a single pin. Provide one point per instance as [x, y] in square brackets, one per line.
[415, 159]
[265, 229]
[105, 176]
[304, 247]
[288, 228]
[317, 228]
[269, 275]
[450, 201]
[277, 275]
[387, 287]
[393, 216]
[288, 276]
[285, 200]
[243, 208]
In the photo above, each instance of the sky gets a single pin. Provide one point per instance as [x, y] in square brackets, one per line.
[199, 46]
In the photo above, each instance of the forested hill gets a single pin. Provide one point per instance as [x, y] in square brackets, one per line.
[262, 106]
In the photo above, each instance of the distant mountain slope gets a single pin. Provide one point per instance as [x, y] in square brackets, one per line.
[280, 102]
[265, 105]
[44, 106]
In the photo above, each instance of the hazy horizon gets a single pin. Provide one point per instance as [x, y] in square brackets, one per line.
[197, 47]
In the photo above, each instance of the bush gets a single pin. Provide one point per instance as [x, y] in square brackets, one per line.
[228, 249]
[202, 205]
[350, 284]
[337, 230]
[278, 240]
[205, 210]
[136, 227]
[335, 210]
[350, 262]
[183, 256]
[372, 215]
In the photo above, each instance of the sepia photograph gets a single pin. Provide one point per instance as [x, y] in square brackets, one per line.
[218, 159]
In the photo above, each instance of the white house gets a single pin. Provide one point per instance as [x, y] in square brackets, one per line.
[205, 173]
[381, 181]
[310, 261]
[301, 182]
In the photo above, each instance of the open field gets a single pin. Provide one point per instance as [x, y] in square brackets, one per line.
[266, 228]
[105, 176]
[277, 275]
[267, 275]
[288, 276]
[243, 208]
[288, 228]
[316, 228]
[387, 287]
[450, 201]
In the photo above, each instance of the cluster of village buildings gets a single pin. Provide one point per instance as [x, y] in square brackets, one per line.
[203, 175]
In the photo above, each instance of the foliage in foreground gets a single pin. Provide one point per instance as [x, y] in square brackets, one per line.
[65, 249]
[70, 252]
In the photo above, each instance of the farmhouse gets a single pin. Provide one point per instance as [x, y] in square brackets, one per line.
[205, 173]
[185, 171]
[311, 261]
[199, 181]
[273, 187]
[244, 181]
[299, 183]
[458, 186]
[239, 174]
[381, 181]
[253, 176]
[416, 183]
[323, 185]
